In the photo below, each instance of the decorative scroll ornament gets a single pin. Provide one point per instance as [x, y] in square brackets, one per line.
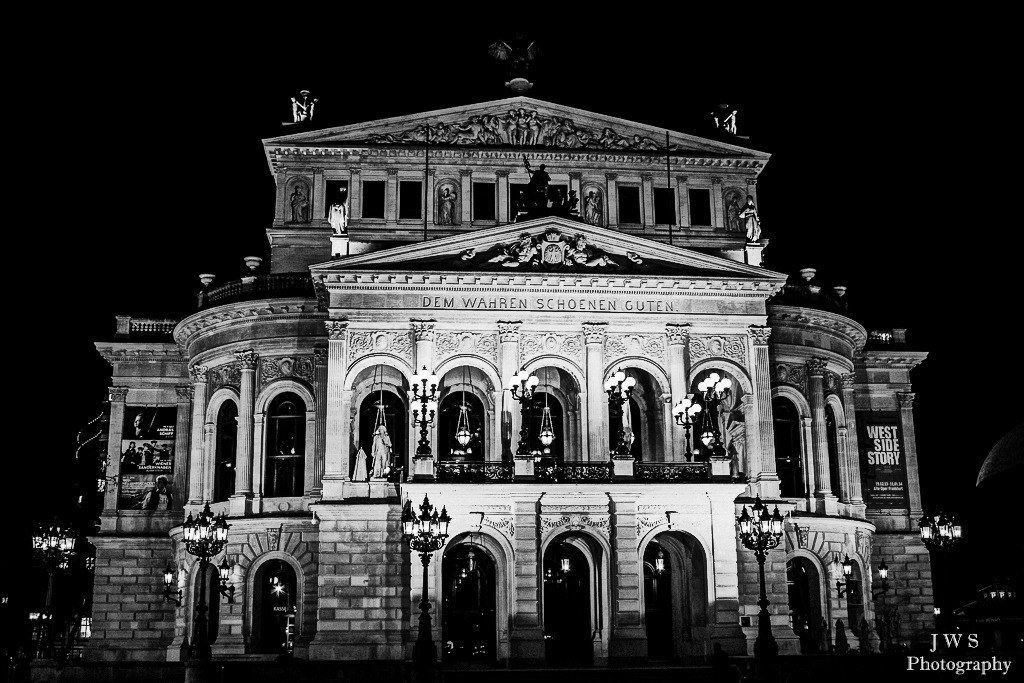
[575, 522]
[336, 329]
[650, 346]
[274, 538]
[248, 359]
[504, 524]
[645, 523]
[759, 334]
[286, 366]
[120, 394]
[227, 375]
[791, 374]
[198, 373]
[538, 344]
[731, 347]
[594, 333]
[520, 128]
[448, 344]
[678, 333]
[395, 343]
[509, 331]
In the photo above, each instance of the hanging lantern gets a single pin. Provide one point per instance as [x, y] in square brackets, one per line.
[471, 561]
[462, 434]
[565, 565]
[659, 563]
[547, 432]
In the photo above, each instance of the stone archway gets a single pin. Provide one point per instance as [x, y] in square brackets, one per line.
[468, 605]
[676, 597]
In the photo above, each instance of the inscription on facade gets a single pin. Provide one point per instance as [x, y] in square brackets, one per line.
[549, 303]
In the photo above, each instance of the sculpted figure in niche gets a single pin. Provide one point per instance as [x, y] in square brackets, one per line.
[592, 210]
[446, 206]
[751, 221]
[732, 215]
[300, 205]
[360, 473]
[381, 453]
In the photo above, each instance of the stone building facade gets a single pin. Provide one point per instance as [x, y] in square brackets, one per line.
[266, 404]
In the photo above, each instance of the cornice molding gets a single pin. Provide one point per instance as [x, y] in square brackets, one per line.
[808, 318]
[218, 317]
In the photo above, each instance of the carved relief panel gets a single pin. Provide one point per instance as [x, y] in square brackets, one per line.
[364, 343]
[650, 346]
[734, 199]
[447, 205]
[448, 344]
[539, 344]
[731, 347]
[272, 368]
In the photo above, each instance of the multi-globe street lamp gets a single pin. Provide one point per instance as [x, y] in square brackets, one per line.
[425, 534]
[423, 399]
[714, 390]
[940, 531]
[761, 532]
[522, 385]
[53, 546]
[205, 536]
[619, 387]
[685, 413]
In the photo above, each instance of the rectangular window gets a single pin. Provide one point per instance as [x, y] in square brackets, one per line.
[410, 199]
[664, 206]
[629, 204]
[373, 198]
[516, 200]
[483, 201]
[700, 207]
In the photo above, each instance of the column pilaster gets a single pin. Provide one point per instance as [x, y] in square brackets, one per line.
[613, 200]
[118, 396]
[320, 435]
[646, 189]
[628, 642]
[182, 423]
[762, 451]
[718, 211]
[851, 479]
[336, 446]
[423, 334]
[391, 197]
[466, 177]
[502, 177]
[906, 404]
[241, 500]
[678, 372]
[597, 448]
[511, 417]
[195, 463]
[824, 498]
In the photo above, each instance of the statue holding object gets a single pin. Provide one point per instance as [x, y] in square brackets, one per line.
[302, 107]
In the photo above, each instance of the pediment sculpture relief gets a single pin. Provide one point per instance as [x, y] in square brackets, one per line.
[551, 251]
[520, 128]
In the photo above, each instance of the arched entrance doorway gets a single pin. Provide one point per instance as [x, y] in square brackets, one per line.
[274, 598]
[468, 617]
[804, 584]
[569, 580]
[675, 597]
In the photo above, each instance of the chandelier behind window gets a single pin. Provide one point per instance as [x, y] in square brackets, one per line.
[462, 434]
[547, 430]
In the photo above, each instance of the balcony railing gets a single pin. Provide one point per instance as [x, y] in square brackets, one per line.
[259, 287]
[475, 472]
[670, 472]
[573, 473]
[486, 472]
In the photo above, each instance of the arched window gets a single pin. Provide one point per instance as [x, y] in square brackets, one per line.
[788, 455]
[450, 409]
[833, 448]
[805, 604]
[394, 421]
[224, 462]
[286, 446]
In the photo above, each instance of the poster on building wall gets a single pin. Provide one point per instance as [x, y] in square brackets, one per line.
[147, 457]
[882, 463]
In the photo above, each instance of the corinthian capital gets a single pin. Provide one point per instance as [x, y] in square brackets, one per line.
[247, 358]
[759, 334]
[423, 330]
[508, 331]
[816, 367]
[198, 373]
[678, 333]
[118, 394]
[906, 400]
[594, 332]
[319, 356]
[184, 393]
[336, 329]
[848, 379]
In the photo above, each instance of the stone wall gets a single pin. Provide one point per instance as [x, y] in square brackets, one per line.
[910, 584]
[778, 595]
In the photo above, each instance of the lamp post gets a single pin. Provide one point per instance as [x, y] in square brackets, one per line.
[205, 536]
[714, 390]
[423, 398]
[883, 574]
[685, 413]
[761, 532]
[425, 534]
[523, 385]
[53, 546]
[940, 531]
[619, 388]
[843, 586]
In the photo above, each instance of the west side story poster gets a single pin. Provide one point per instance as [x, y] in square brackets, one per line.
[883, 466]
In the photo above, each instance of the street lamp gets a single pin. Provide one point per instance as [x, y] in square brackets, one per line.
[940, 532]
[761, 532]
[714, 390]
[523, 385]
[171, 594]
[423, 398]
[425, 534]
[843, 586]
[205, 536]
[53, 546]
[883, 574]
[685, 413]
[619, 388]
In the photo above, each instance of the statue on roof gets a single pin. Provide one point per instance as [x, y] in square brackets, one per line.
[518, 52]
[724, 117]
[302, 107]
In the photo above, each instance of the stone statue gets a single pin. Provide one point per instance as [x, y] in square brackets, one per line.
[538, 188]
[360, 473]
[519, 52]
[381, 453]
[592, 209]
[302, 107]
[338, 215]
[446, 206]
[518, 253]
[751, 221]
[300, 205]
[581, 254]
[572, 205]
[729, 124]
[732, 215]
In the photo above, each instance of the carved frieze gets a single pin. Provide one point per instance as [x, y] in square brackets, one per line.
[396, 343]
[226, 375]
[650, 346]
[286, 366]
[540, 344]
[790, 373]
[576, 522]
[732, 347]
[448, 344]
[504, 524]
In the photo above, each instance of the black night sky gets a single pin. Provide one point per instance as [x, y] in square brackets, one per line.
[884, 176]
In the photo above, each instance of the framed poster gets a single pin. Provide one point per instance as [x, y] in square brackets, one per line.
[883, 466]
[147, 457]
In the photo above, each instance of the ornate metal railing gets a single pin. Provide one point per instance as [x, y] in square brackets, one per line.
[476, 472]
[672, 471]
[573, 473]
[261, 287]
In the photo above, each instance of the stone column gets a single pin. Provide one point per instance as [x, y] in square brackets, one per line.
[391, 197]
[678, 375]
[423, 334]
[819, 434]
[752, 436]
[906, 403]
[646, 189]
[248, 360]
[613, 202]
[628, 642]
[527, 635]
[683, 219]
[466, 176]
[717, 210]
[318, 207]
[431, 192]
[502, 177]
[762, 452]
[336, 453]
[511, 417]
[575, 184]
[355, 193]
[209, 459]
[181, 436]
[851, 482]
[596, 446]
[195, 463]
[118, 395]
[320, 435]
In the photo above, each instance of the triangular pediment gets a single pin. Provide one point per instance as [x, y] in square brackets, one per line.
[519, 122]
[549, 245]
